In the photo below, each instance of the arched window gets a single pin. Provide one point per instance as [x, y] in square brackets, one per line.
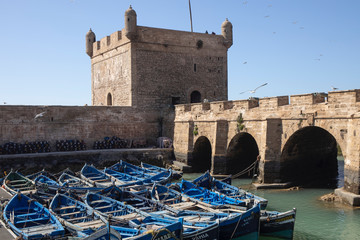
[195, 97]
[109, 99]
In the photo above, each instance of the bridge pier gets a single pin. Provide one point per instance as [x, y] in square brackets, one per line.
[350, 193]
[269, 165]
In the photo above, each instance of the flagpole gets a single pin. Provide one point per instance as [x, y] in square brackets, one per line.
[190, 17]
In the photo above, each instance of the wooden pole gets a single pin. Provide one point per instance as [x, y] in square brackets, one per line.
[190, 17]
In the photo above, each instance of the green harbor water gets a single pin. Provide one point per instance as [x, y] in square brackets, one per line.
[315, 219]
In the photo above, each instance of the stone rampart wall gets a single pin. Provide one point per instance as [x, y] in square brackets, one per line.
[88, 123]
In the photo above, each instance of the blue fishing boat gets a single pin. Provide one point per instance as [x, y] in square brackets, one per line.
[191, 190]
[45, 183]
[30, 220]
[70, 181]
[95, 176]
[14, 182]
[118, 213]
[209, 182]
[149, 167]
[42, 172]
[135, 171]
[278, 224]
[77, 217]
[272, 223]
[237, 222]
[124, 179]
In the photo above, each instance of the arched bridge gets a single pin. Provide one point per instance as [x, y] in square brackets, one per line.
[297, 137]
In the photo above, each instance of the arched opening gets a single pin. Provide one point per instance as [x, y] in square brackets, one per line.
[241, 153]
[195, 97]
[309, 159]
[109, 99]
[201, 157]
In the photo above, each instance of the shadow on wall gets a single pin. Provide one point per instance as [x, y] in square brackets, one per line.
[309, 159]
[201, 160]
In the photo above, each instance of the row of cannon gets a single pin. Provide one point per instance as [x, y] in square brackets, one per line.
[66, 145]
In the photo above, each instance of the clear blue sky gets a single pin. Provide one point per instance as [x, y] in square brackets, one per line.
[296, 46]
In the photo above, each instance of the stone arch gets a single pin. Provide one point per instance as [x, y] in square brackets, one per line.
[195, 97]
[241, 153]
[309, 158]
[109, 100]
[201, 156]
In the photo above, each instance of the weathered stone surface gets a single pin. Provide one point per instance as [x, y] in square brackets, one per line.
[271, 123]
[17, 124]
[55, 162]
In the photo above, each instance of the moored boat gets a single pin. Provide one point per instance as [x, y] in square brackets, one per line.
[191, 190]
[272, 223]
[278, 224]
[118, 212]
[14, 182]
[95, 176]
[211, 183]
[30, 220]
[76, 216]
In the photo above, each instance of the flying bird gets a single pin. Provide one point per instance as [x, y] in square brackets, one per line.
[334, 88]
[39, 115]
[253, 91]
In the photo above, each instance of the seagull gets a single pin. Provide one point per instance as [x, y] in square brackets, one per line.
[39, 115]
[253, 91]
[334, 88]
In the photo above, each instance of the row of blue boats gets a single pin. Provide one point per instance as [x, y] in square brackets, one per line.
[125, 201]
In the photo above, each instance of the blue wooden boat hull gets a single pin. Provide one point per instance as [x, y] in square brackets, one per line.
[280, 225]
[30, 220]
[245, 226]
[209, 182]
[77, 217]
[191, 190]
[172, 231]
[209, 233]
[95, 176]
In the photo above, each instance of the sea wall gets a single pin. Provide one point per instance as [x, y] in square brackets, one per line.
[58, 161]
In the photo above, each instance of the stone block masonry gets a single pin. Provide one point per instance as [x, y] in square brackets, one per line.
[18, 124]
[272, 122]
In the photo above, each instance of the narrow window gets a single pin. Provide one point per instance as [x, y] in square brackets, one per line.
[194, 67]
[109, 99]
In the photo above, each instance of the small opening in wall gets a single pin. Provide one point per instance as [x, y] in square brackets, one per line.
[194, 67]
[109, 99]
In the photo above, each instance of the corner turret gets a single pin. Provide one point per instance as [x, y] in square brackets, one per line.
[90, 39]
[227, 32]
[130, 23]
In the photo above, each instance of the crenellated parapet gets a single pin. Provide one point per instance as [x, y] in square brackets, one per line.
[333, 103]
[109, 43]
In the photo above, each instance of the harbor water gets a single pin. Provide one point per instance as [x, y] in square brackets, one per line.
[315, 219]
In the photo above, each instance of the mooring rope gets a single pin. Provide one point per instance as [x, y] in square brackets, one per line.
[246, 170]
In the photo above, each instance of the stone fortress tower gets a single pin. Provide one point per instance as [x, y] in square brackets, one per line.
[154, 68]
